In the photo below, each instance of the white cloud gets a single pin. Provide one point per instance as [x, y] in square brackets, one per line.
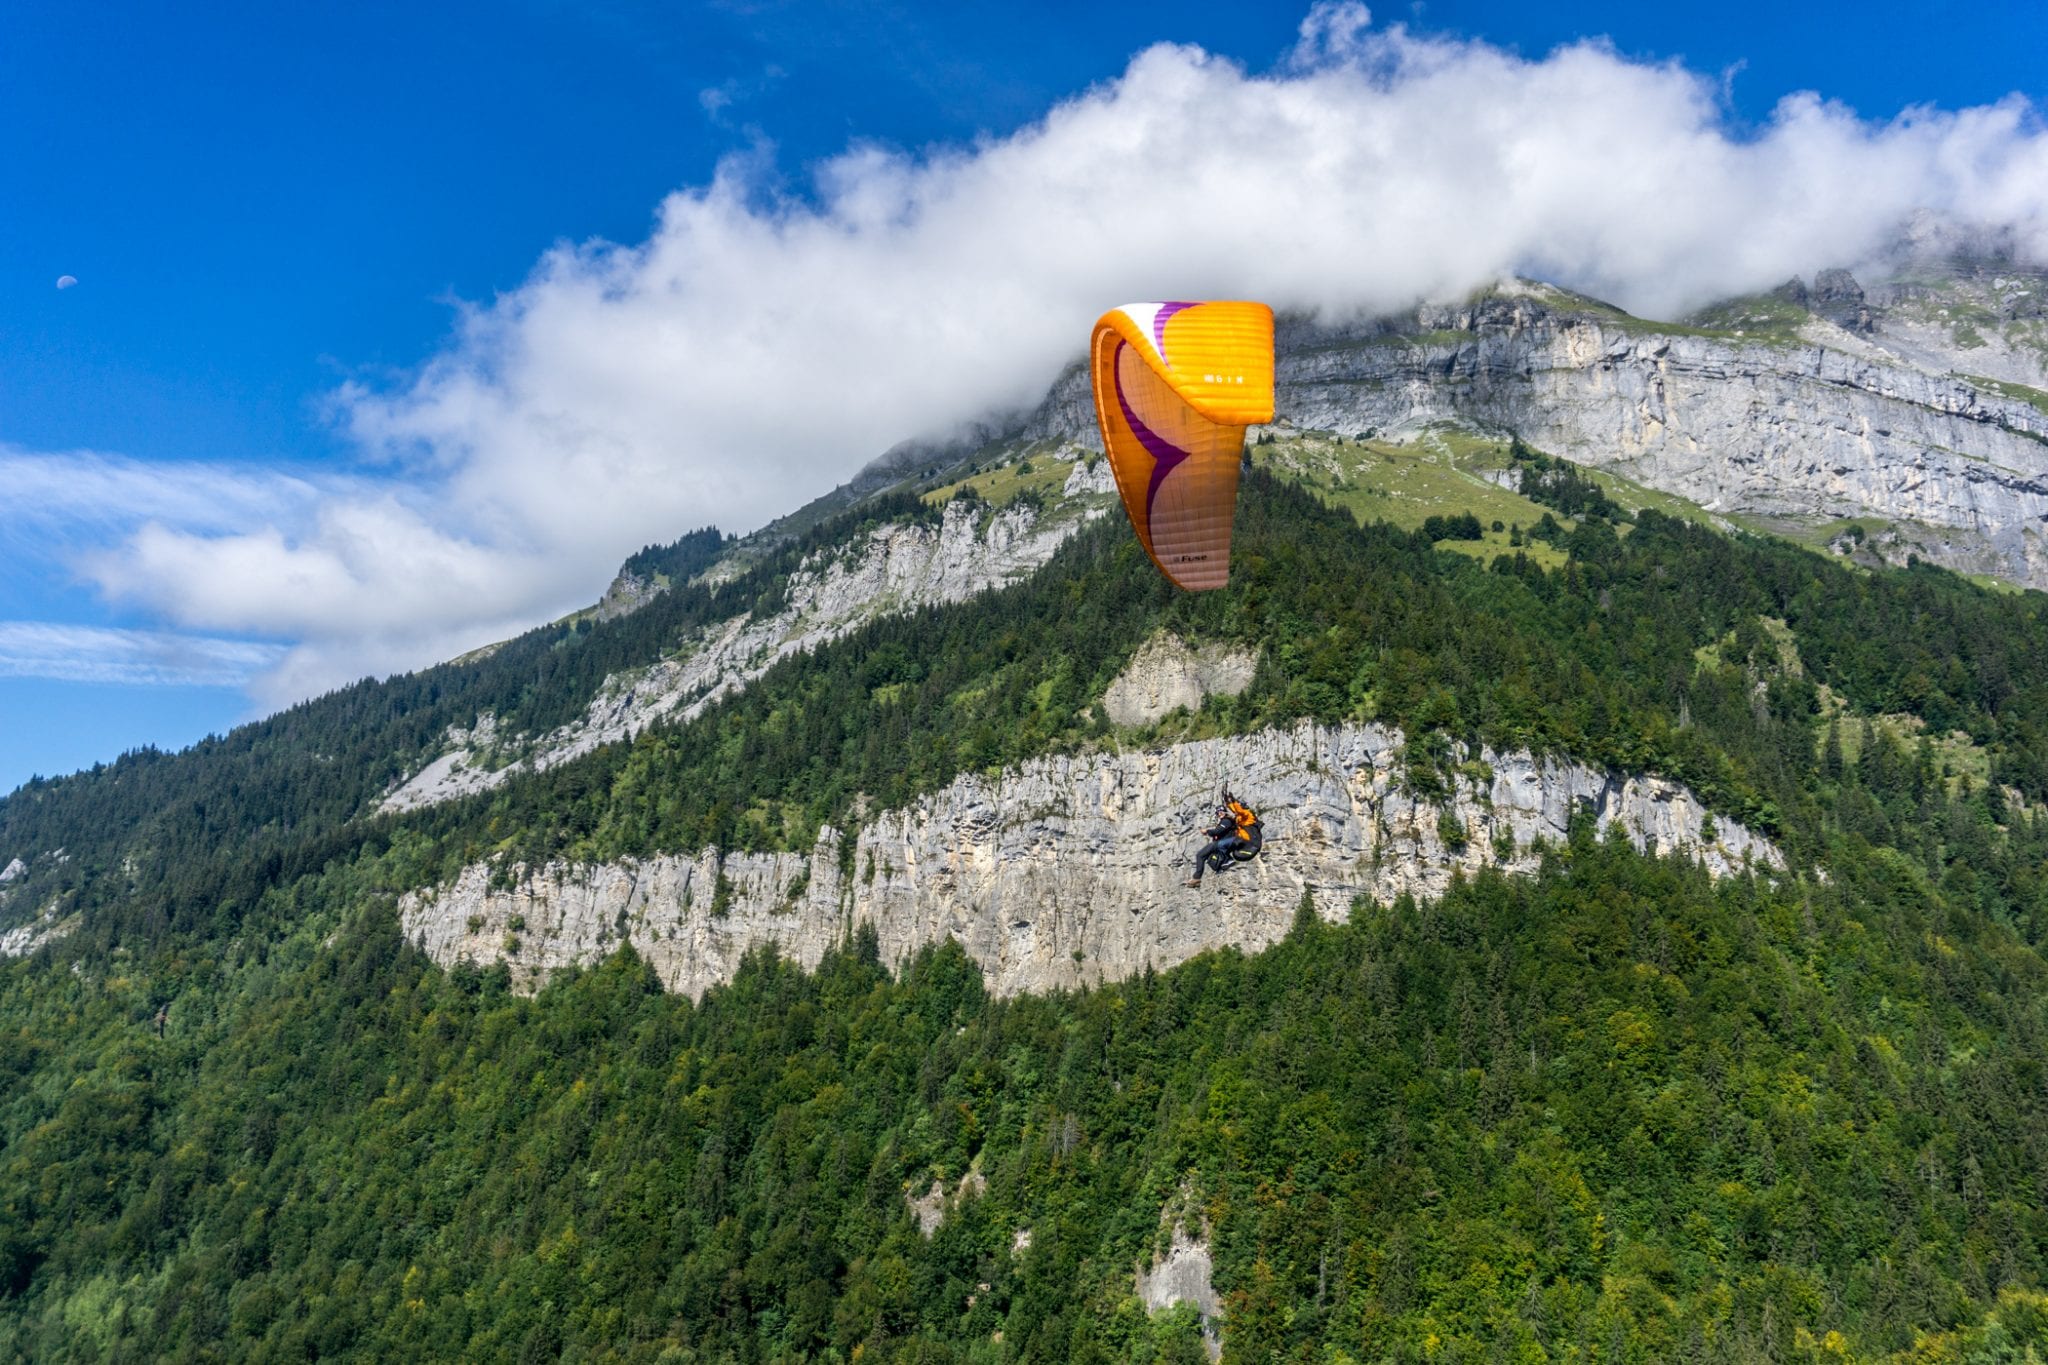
[757, 348]
[345, 567]
[51, 499]
[368, 587]
[72, 653]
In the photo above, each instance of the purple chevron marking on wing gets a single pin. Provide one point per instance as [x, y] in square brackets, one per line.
[1165, 454]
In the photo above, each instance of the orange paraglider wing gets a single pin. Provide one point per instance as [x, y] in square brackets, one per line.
[1176, 384]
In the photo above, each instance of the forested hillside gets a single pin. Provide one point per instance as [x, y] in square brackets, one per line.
[1616, 1111]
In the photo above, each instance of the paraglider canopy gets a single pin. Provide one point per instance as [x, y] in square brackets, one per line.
[1176, 384]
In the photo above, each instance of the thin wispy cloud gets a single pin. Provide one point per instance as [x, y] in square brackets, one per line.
[72, 653]
[52, 496]
[717, 101]
[757, 348]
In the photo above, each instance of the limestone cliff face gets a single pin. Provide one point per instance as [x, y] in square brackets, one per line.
[1182, 1267]
[1068, 869]
[44, 927]
[898, 568]
[1990, 319]
[1167, 673]
[1811, 429]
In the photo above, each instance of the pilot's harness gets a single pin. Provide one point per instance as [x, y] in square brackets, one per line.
[1250, 826]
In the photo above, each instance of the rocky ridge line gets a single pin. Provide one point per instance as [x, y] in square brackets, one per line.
[900, 568]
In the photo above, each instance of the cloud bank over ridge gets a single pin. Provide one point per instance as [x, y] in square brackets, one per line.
[760, 345]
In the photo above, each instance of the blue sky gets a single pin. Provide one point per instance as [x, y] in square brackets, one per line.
[271, 213]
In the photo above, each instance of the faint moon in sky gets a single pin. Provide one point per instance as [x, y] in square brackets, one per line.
[66, 281]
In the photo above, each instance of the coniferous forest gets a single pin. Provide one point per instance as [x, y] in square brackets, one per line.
[1617, 1111]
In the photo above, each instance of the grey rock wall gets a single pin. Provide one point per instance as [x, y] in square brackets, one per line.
[1184, 1273]
[1166, 673]
[1067, 870]
[627, 594]
[1770, 429]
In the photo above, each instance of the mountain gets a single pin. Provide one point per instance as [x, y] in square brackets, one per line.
[1915, 410]
[1923, 420]
[786, 959]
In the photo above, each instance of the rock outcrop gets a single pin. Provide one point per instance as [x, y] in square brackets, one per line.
[1089, 476]
[933, 1206]
[1837, 297]
[1989, 319]
[471, 762]
[1067, 870]
[24, 939]
[898, 568]
[1166, 674]
[627, 594]
[1184, 1270]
